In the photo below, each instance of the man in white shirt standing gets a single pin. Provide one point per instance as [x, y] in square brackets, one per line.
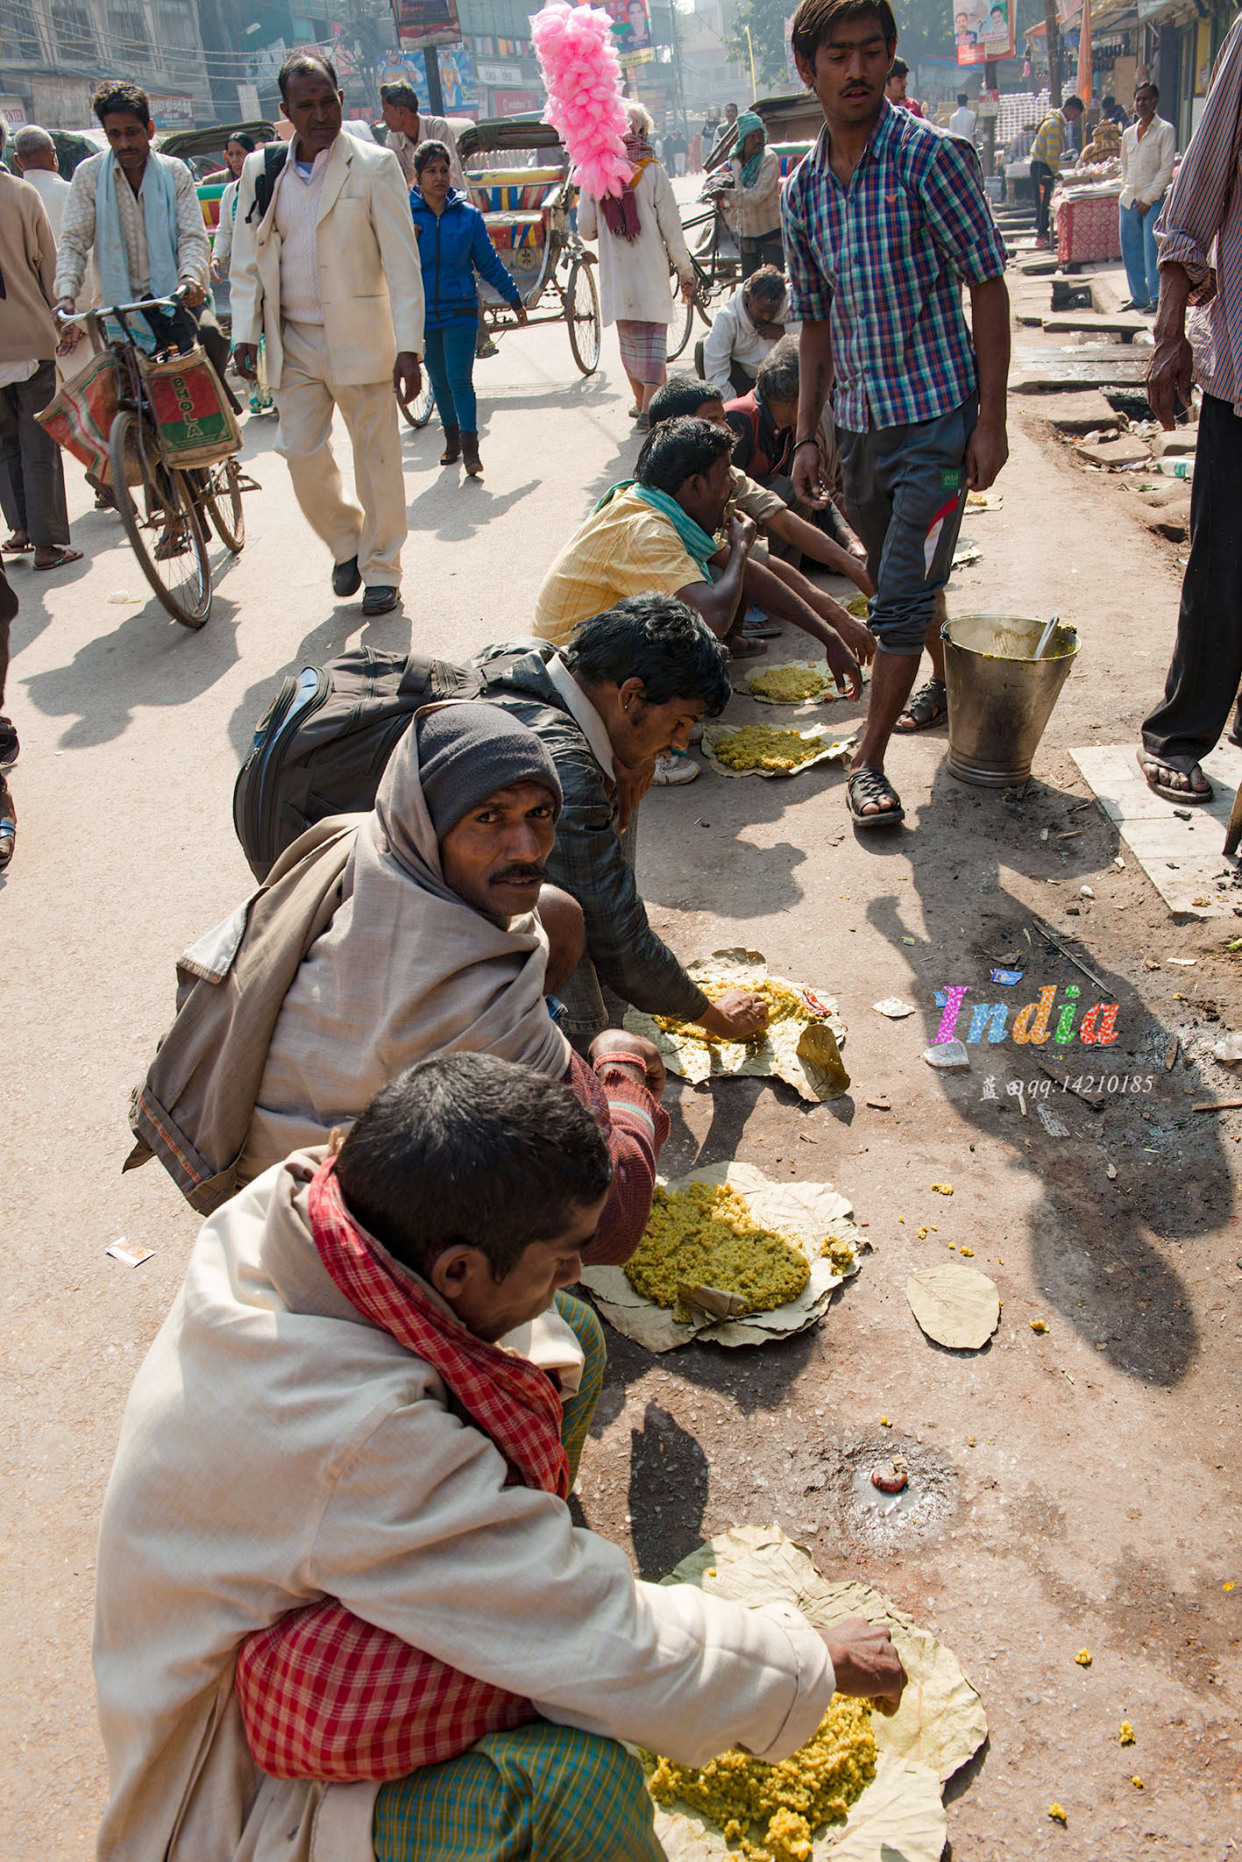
[407, 128]
[1148, 147]
[963, 120]
[36, 162]
[325, 267]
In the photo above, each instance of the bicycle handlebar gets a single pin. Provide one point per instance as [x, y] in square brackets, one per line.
[121, 311]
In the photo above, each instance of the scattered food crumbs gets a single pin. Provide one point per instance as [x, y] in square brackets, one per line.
[901, 1218]
[885, 1423]
[970, 1441]
[943, 1189]
[1110, 1171]
[1057, 1814]
[1228, 1584]
[1039, 1325]
[922, 1234]
[1137, 1782]
[953, 1247]
[1127, 1733]
[969, 1251]
[1083, 1658]
[1000, 1260]
[710, 1572]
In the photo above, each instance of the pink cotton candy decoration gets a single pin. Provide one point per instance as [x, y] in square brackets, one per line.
[578, 59]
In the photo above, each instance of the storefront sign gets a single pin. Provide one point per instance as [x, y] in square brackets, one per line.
[498, 74]
[171, 109]
[12, 112]
[427, 22]
[516, 103]
[983, 30]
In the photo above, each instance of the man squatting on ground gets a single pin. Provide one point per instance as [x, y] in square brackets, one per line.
[336, 1535]
[884, 222]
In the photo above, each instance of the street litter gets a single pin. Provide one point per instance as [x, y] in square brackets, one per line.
[1039, 1325]
[1217, 1105]
[872, 1796]
[892, 1477]
[1110, 1170]
[1186, 962]
[1127, 1733]
[131, 1252]
[1229, 1050]
[1050, 1122]
[728, 1230]
[943, 1189]
[948, 1056]
[956, 1306]
[894, 1008]
[801, 1044]
[1007, 977]
[1083, 1658]
[1086, 892]
[880, 1105]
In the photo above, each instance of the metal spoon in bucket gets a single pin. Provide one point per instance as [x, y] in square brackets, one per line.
[1046, 636]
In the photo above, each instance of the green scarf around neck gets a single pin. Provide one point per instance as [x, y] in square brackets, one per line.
[698, 542]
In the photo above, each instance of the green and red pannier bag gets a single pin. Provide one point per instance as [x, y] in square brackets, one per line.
[196, 424]
[80, 414]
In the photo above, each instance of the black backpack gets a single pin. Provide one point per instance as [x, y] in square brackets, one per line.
[275, 155]
[322, 745]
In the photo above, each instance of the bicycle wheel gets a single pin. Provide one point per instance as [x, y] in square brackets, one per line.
[679, 329]
[582, 317]
[158, 509]
[221, 501]
[418, 412]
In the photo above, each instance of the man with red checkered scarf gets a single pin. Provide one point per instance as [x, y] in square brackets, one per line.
[343, 1610]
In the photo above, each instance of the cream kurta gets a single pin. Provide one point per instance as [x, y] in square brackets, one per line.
[277, 1448]
[634, 282]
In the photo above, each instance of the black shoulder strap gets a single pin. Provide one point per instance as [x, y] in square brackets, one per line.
[275, 155]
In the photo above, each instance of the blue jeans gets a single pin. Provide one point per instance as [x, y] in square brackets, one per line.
[449, 356]
[1138, 251]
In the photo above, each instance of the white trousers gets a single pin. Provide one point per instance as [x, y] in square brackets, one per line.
[375, 529]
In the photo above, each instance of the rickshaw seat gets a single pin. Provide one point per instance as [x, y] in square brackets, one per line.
[511, 231]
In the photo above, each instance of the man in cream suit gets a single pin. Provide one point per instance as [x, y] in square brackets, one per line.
[325, 267]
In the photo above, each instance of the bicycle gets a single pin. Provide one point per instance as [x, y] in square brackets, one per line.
[721, 272]
[166, 526]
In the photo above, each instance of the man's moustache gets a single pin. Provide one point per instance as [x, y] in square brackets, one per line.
[528, 874]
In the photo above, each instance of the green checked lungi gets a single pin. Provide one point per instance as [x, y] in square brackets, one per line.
[540, 1793]
[577, 1411]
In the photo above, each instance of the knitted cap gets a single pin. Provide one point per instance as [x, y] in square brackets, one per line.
[468, 751]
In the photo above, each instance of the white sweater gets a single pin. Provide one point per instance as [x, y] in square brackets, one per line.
[634, 281]
[277, 1448]
[734, 338]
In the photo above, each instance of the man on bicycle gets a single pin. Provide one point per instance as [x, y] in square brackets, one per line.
[139, 212]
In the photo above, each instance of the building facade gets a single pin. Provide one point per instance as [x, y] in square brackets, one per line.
[54, 52]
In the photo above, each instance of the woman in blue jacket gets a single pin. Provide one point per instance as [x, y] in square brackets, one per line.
[453, 244]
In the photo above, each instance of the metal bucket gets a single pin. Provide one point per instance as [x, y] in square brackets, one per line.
[1000, 696]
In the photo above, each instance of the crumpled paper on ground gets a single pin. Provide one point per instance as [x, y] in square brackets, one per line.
[806, 1056]
[806, 1212]
[835, 750]
[938, 1728]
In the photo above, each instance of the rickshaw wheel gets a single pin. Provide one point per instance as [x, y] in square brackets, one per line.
[679, 328]
[582, 317]
[418, 412]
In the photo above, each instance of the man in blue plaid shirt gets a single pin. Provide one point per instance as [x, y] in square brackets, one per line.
[884, 221]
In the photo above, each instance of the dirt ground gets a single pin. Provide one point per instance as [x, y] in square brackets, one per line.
[1098, 1506]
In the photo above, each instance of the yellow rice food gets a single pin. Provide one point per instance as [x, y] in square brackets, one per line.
[757, 746]
[784, 1005]
[705, 1236]
[773, 1812]
[788, 684]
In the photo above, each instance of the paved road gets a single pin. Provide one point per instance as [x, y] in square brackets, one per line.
[1099, 1505]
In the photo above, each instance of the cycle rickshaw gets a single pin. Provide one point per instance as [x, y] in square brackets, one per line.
[528, 209]
[792, 125]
